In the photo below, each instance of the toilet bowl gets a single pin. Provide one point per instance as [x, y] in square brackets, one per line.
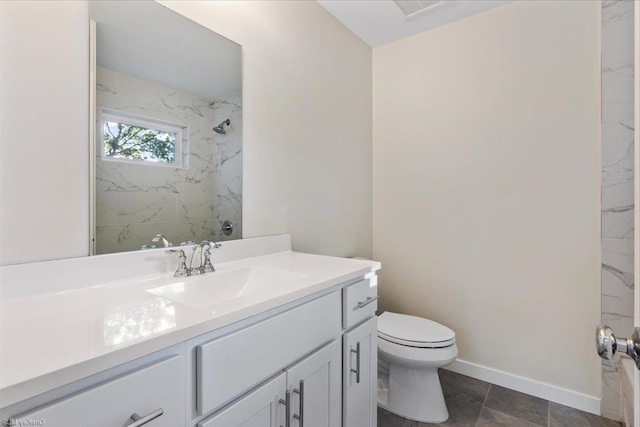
[410, 351]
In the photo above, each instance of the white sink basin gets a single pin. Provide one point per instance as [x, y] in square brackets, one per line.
[209, 289]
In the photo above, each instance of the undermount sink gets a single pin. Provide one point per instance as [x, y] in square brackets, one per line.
[209, 289]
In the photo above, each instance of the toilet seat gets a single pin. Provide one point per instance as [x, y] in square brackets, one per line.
[414, 331]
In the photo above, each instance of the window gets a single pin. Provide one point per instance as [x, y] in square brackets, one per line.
[126, 137]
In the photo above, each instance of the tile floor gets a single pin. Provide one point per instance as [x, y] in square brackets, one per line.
[476, 403]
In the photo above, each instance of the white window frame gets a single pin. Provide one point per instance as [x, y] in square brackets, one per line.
[181, 131]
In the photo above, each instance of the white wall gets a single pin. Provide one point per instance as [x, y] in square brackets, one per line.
[486, 187]
[44, 128]
[307, 125]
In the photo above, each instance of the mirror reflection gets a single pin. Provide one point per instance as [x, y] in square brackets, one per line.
[168, 129]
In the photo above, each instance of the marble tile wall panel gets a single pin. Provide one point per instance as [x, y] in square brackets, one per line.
[228, 164]
[136, 201]
[617, 184]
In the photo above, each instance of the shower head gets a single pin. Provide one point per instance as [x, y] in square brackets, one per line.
[220, 129]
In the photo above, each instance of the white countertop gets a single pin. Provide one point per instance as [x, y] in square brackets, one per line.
[49, 340]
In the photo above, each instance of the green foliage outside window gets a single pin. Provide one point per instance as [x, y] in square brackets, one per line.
[126, 141]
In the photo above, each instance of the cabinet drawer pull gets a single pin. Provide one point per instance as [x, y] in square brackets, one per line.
[140, 421]
[357, 370]
[300, 415]
[367, 301]
[287, 408]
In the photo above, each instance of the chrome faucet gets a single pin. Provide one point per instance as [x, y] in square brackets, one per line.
[182, 270]
[205, 266]
[204, 248]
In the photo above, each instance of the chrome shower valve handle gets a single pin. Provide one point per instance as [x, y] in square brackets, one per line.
[608, 345]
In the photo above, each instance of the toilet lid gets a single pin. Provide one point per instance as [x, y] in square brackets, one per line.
[413, 331]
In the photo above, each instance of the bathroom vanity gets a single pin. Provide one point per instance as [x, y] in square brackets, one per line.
[271, 338]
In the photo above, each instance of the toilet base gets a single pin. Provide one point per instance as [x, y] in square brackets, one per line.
[415, 394]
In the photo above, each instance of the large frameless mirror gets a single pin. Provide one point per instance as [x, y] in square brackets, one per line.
[167, 110]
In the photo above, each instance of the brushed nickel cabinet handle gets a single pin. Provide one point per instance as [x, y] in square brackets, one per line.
[140, 421]
[367, 301]
[300, 415]
[287, 408]
[357, 370]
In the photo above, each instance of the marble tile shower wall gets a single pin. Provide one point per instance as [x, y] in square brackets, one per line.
[617, 184]
[135, 202]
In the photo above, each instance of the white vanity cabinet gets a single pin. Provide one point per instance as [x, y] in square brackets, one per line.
[315, 386]
[332, 386]
[304, 342]
[262, 407]
[154, 394]
[308, 393]
[360, 375]
[310, 362]
[230, 365]
[360, 354]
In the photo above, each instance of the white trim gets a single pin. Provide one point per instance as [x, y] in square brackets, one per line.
[545, 391]
[636, 261]
[181, 131]
[92, 137]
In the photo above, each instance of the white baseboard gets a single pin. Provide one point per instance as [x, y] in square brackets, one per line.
[545, 391]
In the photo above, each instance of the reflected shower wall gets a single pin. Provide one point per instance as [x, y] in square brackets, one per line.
[136, 201]
[618, 203]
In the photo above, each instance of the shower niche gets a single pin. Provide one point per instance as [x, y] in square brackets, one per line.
[167, 129]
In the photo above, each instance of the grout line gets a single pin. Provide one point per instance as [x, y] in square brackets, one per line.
[548, 414]
[486, 396]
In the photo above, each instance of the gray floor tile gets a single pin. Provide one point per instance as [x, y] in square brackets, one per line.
[563, 416]
[387, 419]
[452, 381]
[464, 397]
[519, 405]
[491, 417]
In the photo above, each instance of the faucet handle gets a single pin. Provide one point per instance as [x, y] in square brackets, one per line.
[207, 267]
[182, 270]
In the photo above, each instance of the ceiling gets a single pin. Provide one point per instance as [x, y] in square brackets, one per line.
[146, 40]
[378, 22]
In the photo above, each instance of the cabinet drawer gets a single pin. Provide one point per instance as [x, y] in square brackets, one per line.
[159, 386]
[359, 301]
[228, 366]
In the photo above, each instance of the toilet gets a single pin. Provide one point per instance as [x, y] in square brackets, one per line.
[410, 351]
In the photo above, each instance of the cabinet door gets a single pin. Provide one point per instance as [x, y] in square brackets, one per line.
[315, 386]
[360, 375]
[259, 408]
